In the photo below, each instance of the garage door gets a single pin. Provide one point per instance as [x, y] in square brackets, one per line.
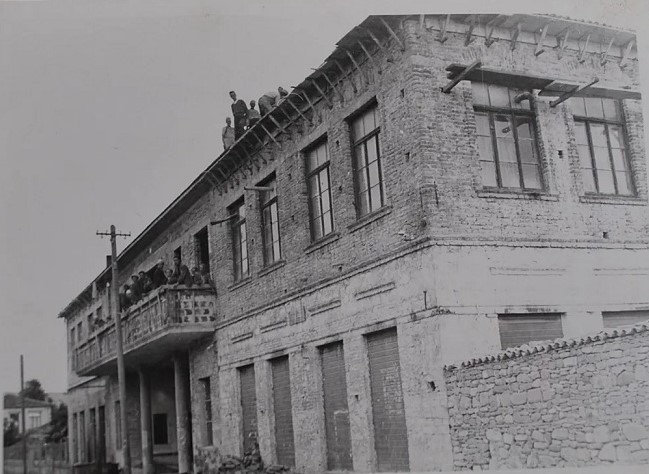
[284, 445]
[390, 435]
[334, 384]
[248, 406]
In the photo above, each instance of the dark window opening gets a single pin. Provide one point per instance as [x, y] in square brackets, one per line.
[201, 245]
[178, 253]
[207, 404]
[239, 240]
[160, 431]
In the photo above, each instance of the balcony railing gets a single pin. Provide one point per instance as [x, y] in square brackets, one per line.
[188, 312]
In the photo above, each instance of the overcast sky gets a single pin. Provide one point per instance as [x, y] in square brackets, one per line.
[108, 110]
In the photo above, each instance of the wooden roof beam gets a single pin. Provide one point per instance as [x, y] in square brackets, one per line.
[306, 97]
[469, 32]
[393, 34]
[460, 77]
[582, 51]
[562, 41]
[360, 71]
[627, 51]
[514, 35]
[604, 57]
[340, 94]
[490, 27]
[369, 56]
[569, 94]
[322, 94]
[277, 124]
[442, 34]
[297, 109]
[347, 76]
[539, 45]
[270, 135]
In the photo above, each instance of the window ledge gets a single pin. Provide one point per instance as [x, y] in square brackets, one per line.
[271, 268]
[239, 284]
[613, 199]
[529, 195]
[322, 242]
[368, 219]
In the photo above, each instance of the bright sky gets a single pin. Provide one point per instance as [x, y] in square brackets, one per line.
[108, 110]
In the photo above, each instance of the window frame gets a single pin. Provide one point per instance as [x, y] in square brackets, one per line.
[236, 224]
[522, 318]
[326, 166]
[208, 412]
[355, 142]
[621, 123]
[511, 113]
[265, 204]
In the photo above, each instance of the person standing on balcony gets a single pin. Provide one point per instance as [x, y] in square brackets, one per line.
[240, 114]
[136, 289]
[197, 278]
[227, 134]
[206, 279]
[159, 277]
[181, 275]
[125, 298]
[146, 284]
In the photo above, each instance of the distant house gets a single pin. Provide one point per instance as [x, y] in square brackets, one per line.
[37, 412]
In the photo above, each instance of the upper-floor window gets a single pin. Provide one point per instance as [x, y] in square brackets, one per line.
[506, 138]
[239, 241]
[270, 222]
[319, 184]
[599, 132]
[367, 162]
[73, 341]
[80, 332]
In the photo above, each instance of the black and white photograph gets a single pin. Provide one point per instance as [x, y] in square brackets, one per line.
[324, 237]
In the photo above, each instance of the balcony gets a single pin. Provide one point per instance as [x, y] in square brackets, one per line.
[166, 320]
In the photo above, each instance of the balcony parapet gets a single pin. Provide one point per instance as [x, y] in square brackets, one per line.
[188, 313]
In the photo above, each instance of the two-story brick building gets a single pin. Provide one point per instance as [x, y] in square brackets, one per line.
[439, 188]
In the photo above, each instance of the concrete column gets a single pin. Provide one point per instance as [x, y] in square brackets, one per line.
[145, 423]
[183, 425]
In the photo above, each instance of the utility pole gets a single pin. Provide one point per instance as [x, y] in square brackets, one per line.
[22, 413]
[117, 315]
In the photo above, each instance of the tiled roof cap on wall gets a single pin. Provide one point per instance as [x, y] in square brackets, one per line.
[526, 350]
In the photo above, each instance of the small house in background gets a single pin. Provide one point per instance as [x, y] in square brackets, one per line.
[37, 412]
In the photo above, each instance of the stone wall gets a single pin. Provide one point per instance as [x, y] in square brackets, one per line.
[573, 403]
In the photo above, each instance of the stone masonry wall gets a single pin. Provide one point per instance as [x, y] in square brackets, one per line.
[576, 405]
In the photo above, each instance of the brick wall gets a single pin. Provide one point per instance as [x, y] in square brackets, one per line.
[582, 403]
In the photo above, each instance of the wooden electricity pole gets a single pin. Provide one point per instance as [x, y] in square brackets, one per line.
[121, 374]
[22, 413]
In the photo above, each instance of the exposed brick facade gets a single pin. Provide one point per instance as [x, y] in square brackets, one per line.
[439, 261]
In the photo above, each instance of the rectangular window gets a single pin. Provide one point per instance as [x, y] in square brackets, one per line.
[368, 180]
[118, 425]
[160, 430]
[601, 144]
[239, 241]
[34, 420]
[82, 436]
[506, 136]
[92, 439]
[101, 444]
[202, 248]
[207, 405]
[80, 332]
[319, 184]
[270, 222]
[73, 341]
[75, 438]
[283, 410]
[615, 319]
[248, 406]
[520, 329]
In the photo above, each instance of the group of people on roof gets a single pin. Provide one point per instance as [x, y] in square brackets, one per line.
[142, 283]
[245, 118]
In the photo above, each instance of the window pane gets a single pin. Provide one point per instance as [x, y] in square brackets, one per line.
[577, 106]
[482, 124]
[499, 96]
[316, 228]
[602, 160]
[324, 202]
[611, 110]
[488, 173]
[313, 186]
[580, 133]
[373, 170]
[376, 197]
[594, 107]
[327, 220]
[531, 176]
[605, 180]
[480, 94]
[311, 160]
[503, 126]
[369, 121]
[509, 175]
[485, 148]
[526, 149]
[506, 150]
[363, 203]
[357, 129]
[524, 127]
[598, 135]
[616, 135]
[624, 185]
[619, 160]
[584, 156]
[361, 178]
[359, 155]
[315, 207]
[324, 180]
[277, 254]
[372, 151]
[588, 180]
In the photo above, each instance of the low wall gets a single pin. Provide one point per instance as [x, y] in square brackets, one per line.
[569, 403]
[14, 466]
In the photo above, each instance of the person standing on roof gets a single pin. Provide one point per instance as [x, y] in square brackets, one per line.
[240, 114]
[227, 134]
[253, 115]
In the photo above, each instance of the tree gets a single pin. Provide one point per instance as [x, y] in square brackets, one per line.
[34, 390]
[10, 435]
[58, 428]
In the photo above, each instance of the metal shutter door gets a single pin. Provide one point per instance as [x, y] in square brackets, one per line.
[614, 319]
[334, 384]
[284, 444]
[390, 435]
[248, 407]
[519, 329]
